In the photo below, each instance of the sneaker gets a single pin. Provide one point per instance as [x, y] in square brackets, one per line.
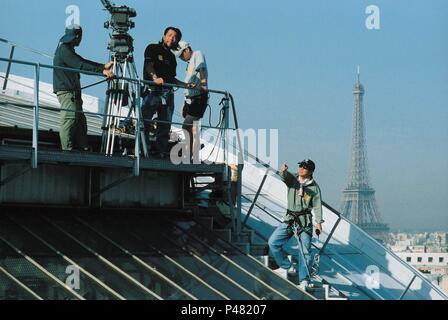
[281, 272]
[304, 284]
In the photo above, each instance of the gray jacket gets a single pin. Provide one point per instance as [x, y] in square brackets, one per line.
[65, 56]
[311, 199]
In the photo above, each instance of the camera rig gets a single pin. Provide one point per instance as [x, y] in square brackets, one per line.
[121, 44]
[121, 95]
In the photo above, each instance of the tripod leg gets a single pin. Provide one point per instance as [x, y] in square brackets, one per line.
[111, 128]
[119, 106]
[110, 109]
[110, 117]
[105, 122]
[115, 122]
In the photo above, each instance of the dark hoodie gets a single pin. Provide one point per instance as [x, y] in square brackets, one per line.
[65, 56]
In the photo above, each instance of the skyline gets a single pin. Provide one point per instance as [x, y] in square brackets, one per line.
[300, 57]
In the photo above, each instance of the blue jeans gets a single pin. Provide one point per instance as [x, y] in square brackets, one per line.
[153, 103]
[278, 240]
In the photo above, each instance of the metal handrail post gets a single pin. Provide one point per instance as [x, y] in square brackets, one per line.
[8, 69]
[137, 133]
[239, 185]
[256, 196]
[407, 287]
[330, 236]
[35, 116]
[240, 164]
[226, 158]
[225, 136]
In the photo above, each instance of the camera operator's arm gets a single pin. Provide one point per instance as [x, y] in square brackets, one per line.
[75, 61]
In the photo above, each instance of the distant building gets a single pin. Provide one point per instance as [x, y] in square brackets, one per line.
[425, 259]
[433, 264]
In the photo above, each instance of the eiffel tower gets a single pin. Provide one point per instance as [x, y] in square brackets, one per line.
[359, 203]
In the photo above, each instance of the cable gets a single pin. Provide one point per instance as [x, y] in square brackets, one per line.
[95, 83]
[221, 130]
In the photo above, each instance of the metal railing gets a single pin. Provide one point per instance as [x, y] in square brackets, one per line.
[227, 102]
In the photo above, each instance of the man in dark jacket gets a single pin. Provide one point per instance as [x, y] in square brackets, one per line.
[67, 86]
[160, 67]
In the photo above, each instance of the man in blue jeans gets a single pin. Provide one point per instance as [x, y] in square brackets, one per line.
[304, 198]
[160, 67]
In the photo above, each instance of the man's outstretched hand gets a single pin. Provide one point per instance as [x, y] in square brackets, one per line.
[283, 168]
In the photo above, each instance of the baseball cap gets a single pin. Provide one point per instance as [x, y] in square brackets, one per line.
[71, 33]
[182, 45]
[307, 164]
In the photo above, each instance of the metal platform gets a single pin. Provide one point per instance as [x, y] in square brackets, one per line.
[90, 159]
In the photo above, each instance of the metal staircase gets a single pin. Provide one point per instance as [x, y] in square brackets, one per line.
[127, 256]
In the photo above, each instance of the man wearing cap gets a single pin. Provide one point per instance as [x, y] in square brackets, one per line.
[67, 86]
[196, 98]
[304, 198]
[160, 67]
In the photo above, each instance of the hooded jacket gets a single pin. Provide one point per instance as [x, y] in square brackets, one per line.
[65, 56]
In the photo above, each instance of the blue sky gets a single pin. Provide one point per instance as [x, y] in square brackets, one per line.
[291, 65]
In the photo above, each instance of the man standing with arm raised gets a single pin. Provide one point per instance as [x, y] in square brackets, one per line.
[304, 198]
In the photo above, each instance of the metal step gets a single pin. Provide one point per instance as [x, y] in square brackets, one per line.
[258, 249]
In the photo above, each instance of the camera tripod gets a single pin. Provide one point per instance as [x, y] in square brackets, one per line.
[122, 93]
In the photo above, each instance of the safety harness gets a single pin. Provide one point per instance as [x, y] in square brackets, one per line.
[298, 228]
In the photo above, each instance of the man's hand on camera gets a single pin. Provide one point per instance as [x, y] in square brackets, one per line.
[108, 73]
[191, 85]
[109, 65]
